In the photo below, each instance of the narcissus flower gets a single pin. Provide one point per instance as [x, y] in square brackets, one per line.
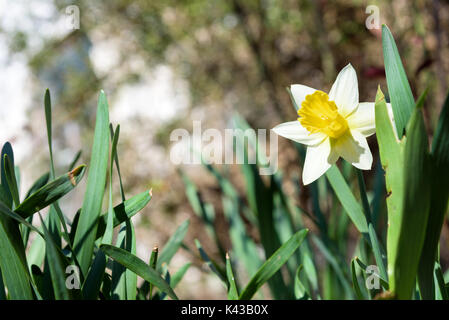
[332, 125]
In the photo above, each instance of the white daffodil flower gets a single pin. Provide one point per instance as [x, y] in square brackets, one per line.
[331, 125]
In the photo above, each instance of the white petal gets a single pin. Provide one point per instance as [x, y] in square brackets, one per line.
[299, 93]
[363, 119]
[345, 91]
[354, 148]
[318, 160]
[295, 131]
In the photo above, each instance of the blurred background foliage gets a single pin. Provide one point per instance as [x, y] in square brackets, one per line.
[166, 63]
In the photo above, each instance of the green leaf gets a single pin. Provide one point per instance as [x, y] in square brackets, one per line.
[6, 193]
[177, 277]
[57, 266]
[233, 293]
[3, 196]
[335, 263]
[118, 284]
[146, 289]
[55, 217]
[47, 106]
[94, 279]
[412, 219]
[172, 245]
[243, 246]
[11, 179]
[2, 288]
[139, 267]
[115, 158]
[96, 181]
[273, 264]
[402, 100]
[214, 267]
[124, 211]
[131, 278]
[392, 157]
[36, 253]
[153, 265]
[11, 214]
[439, 279]
[355, 282]
[107, 237]
[260, 196]
[300, 290]
[13, 263]
[347, 199]
[378, 251]
[438, 203]
[204, 211]
[39, 183]
[51, 192]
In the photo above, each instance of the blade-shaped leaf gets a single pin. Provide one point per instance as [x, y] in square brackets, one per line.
[375, 244]
[172, 245]
[13, 261]
[300, 290]
[355, 282]
[347, 199]
[124, 211]
[402, 100]
[11, 179]
[94, 279]
[273, 264]
[213, 266]
[233, 293]
[6, 150]
[412, 220]
[392, 157]
[131, 278]
[51, 192]
[36, 252]
[57, 266]
[96, 181]
[118, 277]
[438, 203]
[11, 214]
[177, 277]
[259, 195]
[139, 267]
[153, 264]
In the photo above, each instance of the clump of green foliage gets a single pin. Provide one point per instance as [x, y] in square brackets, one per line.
[399, 221]
[77, 259]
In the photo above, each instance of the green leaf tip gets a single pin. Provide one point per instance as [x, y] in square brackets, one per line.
[75, 173]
